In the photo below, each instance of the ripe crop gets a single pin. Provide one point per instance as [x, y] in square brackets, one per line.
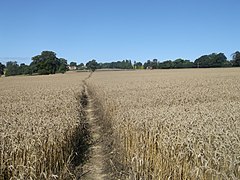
[173, 124]
[164, 124]
[39, 119]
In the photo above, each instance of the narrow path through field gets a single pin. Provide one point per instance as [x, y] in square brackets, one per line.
[94, 168]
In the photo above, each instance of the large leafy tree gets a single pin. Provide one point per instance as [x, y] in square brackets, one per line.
[48, 63]
[92, 65]
[212, 60]
[2, 67]
[12, 68]
[236, 59]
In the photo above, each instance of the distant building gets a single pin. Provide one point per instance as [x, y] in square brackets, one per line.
[71, 68]
[149, 67]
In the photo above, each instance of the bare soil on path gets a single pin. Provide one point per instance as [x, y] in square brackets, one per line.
[95, 167]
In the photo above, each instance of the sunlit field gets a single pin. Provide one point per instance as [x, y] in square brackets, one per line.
[163, 124]
[173, 124]
[39, 119]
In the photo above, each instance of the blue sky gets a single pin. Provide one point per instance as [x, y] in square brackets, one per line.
[106, 30]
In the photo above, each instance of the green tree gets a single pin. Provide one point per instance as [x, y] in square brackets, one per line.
[24, 69]
[63, 65]
[125, 64]
[212, 60]
[138, 65]
[92, 65]
[151, 64]
[2, 67]
[81, 65]
[46, 63]
[166, 64]
[12, 68]
[129, 64]
[147, 64]
[73, 64]
[236, 59]
[181, 63]
[155, 64]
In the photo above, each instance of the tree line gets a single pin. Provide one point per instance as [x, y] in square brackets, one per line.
[213, 60]
[45, 63]
[48, 63]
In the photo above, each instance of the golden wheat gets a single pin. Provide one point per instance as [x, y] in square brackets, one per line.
[173, 124]
[39, 117]
[166, 124]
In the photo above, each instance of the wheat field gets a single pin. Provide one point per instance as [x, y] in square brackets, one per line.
[173, 124]
[160, 124]
[39, 119]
